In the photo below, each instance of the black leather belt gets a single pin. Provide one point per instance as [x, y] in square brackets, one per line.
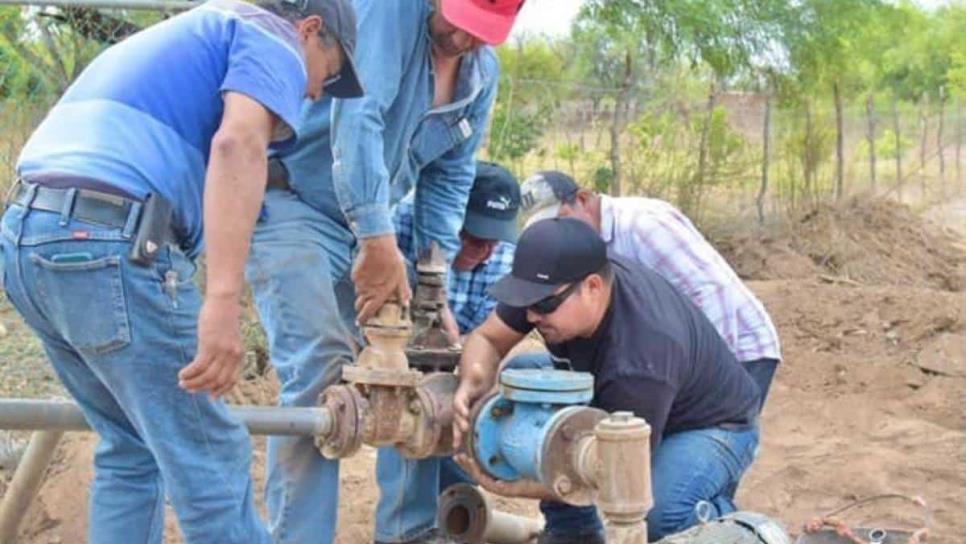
[88, 205]
[277, 175]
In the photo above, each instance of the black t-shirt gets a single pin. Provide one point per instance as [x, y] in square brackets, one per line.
[657, 355]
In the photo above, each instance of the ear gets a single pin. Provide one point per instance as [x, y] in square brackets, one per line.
[583, 197]
[308, 27]
[595, 282]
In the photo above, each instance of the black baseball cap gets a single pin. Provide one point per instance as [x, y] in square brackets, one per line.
[491, 213]
[550, 254]
[543, 193]
[339, 18]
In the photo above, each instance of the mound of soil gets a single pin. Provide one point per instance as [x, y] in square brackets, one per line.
[877, 242]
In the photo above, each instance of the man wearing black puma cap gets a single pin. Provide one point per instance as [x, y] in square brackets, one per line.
[651, 352]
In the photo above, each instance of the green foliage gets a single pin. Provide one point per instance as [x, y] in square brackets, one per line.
[885, 146]
[527, 99]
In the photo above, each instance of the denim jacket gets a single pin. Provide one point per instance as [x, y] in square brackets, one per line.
[357, 157]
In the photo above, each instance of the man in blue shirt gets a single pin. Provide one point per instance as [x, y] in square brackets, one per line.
[325, 248]
[158, 146]
[487, 241]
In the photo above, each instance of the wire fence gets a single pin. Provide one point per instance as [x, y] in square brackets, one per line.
[704, 151]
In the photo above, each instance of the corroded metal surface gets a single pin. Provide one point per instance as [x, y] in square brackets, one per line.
[560, 467]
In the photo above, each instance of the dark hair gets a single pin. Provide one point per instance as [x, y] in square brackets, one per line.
[295, 10]
[605, 272]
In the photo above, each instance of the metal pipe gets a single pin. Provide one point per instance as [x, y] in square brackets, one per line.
[33, 414]
[26, 482]
[465, 515]
[160, 5]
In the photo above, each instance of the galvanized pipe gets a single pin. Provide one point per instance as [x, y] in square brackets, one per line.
[159, 5]
[26, 482]
[33, 414]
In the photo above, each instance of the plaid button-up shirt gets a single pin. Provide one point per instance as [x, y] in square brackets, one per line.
[657, 235]
[465, 289]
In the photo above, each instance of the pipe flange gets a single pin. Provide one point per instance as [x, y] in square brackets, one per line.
[470, 439]
[431, 405]
[558, 470]
[463, 514]
[347, 406]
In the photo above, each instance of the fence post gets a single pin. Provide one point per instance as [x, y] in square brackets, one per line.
[924, 125]
[959, 141]
[839, 143]
[870, 112]
[898, 137]
[940, 148]
[765, 136]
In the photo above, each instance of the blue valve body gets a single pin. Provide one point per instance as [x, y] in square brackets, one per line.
[513, 426]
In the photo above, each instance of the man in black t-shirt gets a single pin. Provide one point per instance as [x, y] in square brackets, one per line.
[651, 352]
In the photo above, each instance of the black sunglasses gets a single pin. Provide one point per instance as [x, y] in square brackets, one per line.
[550, 304]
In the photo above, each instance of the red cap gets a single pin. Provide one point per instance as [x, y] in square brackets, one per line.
[488, 20]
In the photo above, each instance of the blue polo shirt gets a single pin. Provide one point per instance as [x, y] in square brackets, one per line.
[657, 355]
[142, 115]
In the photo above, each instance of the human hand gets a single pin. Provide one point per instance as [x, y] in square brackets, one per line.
[379, 273]
[220, 349]
[522, 488]
[468, 392]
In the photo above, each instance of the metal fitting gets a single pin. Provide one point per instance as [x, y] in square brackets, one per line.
[466, 516]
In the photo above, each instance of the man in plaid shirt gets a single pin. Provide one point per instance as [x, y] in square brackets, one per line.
[487, 242]
[658, 236]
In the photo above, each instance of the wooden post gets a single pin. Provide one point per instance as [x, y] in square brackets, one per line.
[839, 144]
[959, 141]
[870, 113]
[809, 151]
[765, 137]
[924, 125]
[898, 137]
[940, 147]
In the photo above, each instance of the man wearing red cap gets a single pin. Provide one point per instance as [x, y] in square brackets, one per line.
[324, 254]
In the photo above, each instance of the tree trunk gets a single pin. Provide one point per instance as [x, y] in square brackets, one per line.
[617, 124]
[839, 144]
[939, 138]
[895, 128]
[870, 113]
[765, 137]
[924, 125]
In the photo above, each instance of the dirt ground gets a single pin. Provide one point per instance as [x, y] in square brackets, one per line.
[869, 400]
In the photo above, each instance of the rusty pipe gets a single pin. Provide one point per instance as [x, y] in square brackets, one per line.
[34, 414]
[26, 482]
[465, 515]
[622, 472]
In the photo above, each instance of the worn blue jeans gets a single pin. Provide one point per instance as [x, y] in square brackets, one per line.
[298, 269]
[117, 335]
[687, 468]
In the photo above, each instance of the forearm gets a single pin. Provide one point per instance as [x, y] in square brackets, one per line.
[480, 361]
[234, 188]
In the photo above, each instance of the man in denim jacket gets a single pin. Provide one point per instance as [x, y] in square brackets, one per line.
[430, 84]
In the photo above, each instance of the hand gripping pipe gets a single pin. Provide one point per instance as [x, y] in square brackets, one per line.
[536, 428]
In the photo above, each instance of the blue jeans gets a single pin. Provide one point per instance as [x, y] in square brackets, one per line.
[298, 269]
[117, 337]
[687, 468]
